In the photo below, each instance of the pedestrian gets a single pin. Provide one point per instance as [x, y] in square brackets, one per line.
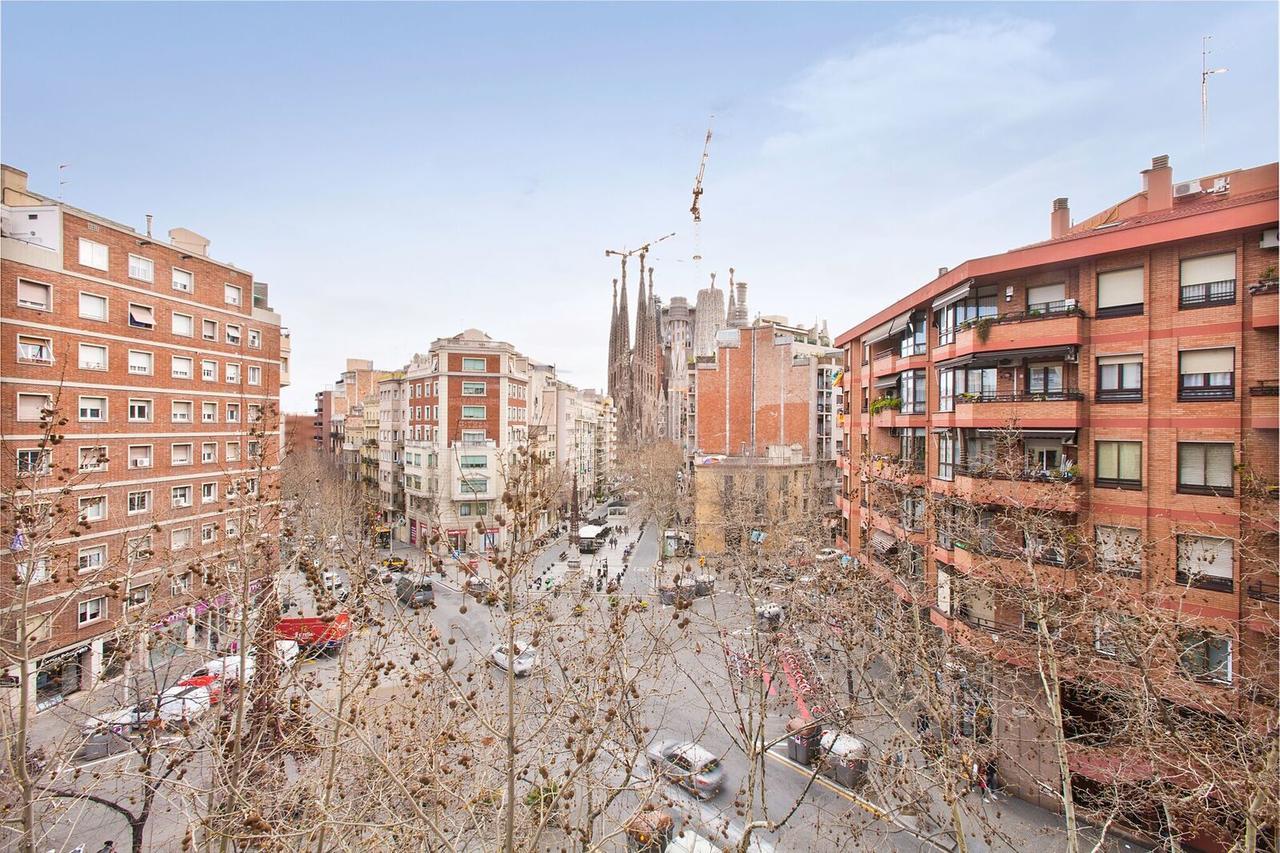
[107, 847]
[990, 777]
[982, 783]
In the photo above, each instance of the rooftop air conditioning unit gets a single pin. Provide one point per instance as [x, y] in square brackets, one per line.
[1187, 188]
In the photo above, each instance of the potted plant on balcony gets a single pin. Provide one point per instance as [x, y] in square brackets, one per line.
[885, 403]
[984, 329]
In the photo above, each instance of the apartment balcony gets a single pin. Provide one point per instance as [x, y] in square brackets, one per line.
[1264, 311]
[1263, 406]
[908, 470]
[896, 361]
[1045, 325]
[888, 417]
[1064, 407]
[1050, 490]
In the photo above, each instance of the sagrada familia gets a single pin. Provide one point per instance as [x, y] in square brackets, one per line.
[650, 381]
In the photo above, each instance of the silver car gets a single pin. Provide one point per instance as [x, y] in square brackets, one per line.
[688, 765]
[525, 660]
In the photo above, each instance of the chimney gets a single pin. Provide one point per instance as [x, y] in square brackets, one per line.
[1157, 183]
[189, 241]
[1059, 219]
[942, 271]
[14, 183]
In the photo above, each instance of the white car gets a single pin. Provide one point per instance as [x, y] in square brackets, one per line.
[226, 669]
[526, 658]
[171, 707]
[334, 585]
[827, 555]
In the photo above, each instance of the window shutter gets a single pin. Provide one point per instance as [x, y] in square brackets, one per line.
[1208, 361]
[1131, 358]
[1219, 465]
[1046, 293]
[1130, 460]
[1122, 287]
[1207, 556]
[1209, 268]
[1107, 466]
[32, 294]
[1191, 464]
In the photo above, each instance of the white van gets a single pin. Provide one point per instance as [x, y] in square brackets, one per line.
[226, 669]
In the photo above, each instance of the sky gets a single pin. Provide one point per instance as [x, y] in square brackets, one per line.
[401, 172]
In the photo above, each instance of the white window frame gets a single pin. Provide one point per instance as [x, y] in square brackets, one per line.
[91, 500]
[143, 265]
[204, 329]
[206, 457]
[254, 376]
[89, 551]
[483, 368]
[232, 295]
[483, 392]
[103, 365]
[150, 366]
[98, 451]
[80, 406]
[135, 548]
[233, 367]
[232, 413]
[175, 360]
[207, 374]
[173, 449]
[208, 493]
[204, 412]
[38, 350]
[151, 408]
[231, 453]
[106, 307]
[46, 306]
[130, 509]
[208, 534]
[191, 324]
[190, 284]
[255, 338]
[133, 600]
[173, 411]
[233, 333]
[484, 413]
[85, 611]
[132, 325]
[175, 500]
[151, 455]
[92, 260]
[47, 403]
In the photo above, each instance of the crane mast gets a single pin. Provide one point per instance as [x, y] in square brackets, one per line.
[696, 209]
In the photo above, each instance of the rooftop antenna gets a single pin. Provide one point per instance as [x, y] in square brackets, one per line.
[1205, 73]
[62, 181]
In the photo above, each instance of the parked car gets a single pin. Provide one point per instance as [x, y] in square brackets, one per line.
[226, 669]
[394, 563]
[688, 765]
[210, 682]
[415, 591]
[828, 555]
[335, 585]
[172, 707]
[769, 616]
[283, 652]
[526, 658]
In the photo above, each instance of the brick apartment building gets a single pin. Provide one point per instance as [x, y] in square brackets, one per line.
[1131, 363]
[163, 369]
[764, 404]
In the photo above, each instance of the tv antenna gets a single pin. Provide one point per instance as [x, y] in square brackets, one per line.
[62, 180]
[1205, 73]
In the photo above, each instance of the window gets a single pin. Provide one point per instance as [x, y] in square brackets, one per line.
[255, 339]
[209, 452]
[474, 485]
[93, 408]
[143, 269]
[209, 330]
[946, 391]
[1120, 293]
[183, 324]
[139, 502]
[233, 528]
[473, 365]
[93, 508]
[140, 362]
[93, 307]
[180, 539]
[1120, 378]
[233, 451]
[1207, 374]
[92, 458]
[946, 455]
[1206, 469]
[140, 411]
[140, 456]
[139, 549]
[474, 462]
[209, 370]
[1206, 657]
[138, 596]
[464, 509]
[1046, 299]
[209, 413]
[473, 413]
[473, 436]
[31, 407]
[1118, 464]
[914, 339]
[92, 610]
[141, 316]
[182, 410]
[1045, 379]
[233, 334]
[34, 570]
[208, 533]
[911, 390]
[1206, 562]
[233, 413]
[255, 375]
[181, 367]
[184, 281]
[33, 461]
[208, 493]
[231, 294]
[93, 357]
[180, 454]
[93, 254]
[977, 383]
[32, 350]
[180, 497]
[473, 389]
[181, 583]
[254, 449]
[92, 558]
[233, 372]
[1208, 280]
[33, 294]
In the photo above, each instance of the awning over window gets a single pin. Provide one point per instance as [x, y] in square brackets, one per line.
[881, 542]
[1068, 436]
[879, 333]
[900, 323]
[953, 295]
[887, 381]
[994, 359]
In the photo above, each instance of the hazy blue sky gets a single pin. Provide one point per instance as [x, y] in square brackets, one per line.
[401, 172]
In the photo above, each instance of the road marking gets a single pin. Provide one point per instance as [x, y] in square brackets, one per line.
[831, 786]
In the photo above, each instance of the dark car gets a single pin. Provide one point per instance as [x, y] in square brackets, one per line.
[415, 592]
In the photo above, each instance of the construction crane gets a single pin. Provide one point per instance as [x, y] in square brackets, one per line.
[641, 250]
[696, 209]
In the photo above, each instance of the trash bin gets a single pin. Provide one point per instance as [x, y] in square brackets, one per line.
[686, 589]
[667, 595]
[704, 585]
[800, 740]
[846, 755]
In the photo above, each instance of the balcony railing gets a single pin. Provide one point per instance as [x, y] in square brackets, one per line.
[1061, 395]
[1194, 393]
[1119, 395]
[988, 471]
[1263, 590]
[882, 355]
[1264, 286]
[1069, 308]
[1265, 388]
[1203, 581]
[1207, 294]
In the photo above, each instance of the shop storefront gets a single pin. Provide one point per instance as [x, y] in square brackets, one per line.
[413, 531]
[59, 676]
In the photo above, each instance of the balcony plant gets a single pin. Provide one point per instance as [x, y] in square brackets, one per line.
[984, 329]
[1268, 275]
[885, 403]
